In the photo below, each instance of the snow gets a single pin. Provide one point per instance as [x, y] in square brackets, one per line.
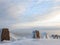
[16, 40]
[32, 42]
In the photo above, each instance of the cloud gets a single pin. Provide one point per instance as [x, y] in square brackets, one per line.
[52, 20]
[56, 0]
[30, 13]
[16, 10]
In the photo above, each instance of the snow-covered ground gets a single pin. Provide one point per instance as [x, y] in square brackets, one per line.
[32, 42]
[16, 40]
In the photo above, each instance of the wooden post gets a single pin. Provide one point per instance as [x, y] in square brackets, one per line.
[37, 34]
[5, 34]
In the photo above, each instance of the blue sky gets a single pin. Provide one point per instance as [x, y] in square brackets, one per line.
[26, 14]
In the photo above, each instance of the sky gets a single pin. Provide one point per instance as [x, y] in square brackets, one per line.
[27, 14]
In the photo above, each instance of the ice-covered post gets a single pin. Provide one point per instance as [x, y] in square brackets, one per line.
[44, 34]
[33, 34]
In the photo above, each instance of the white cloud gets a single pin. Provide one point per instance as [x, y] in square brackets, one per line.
[52, 20]
[16, 10]
[56, 0]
